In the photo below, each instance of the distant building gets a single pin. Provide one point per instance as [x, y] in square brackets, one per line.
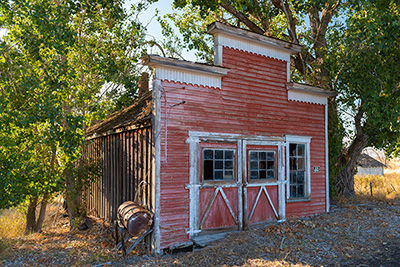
[367, 165]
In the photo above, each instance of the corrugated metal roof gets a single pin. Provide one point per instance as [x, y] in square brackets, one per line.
[367, 161]
[137, 113]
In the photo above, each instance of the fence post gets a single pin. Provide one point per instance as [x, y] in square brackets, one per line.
[370, 187]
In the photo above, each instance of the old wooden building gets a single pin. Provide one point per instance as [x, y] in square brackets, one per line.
[233, 145]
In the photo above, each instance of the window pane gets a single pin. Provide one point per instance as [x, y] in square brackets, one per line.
[301, 150]
[293, 164]
[228, 154]
[219, 164]
[300, 191]
[270, 165]
[262, 165]
[228, 175]
[293, 179]
[219, 154]
[292, 149]
[301, 164]
[208, 154]
[297, 170]
[254, 175]
[300, 177]
[254, 165]
[208, 170]
[228, 164]
[293, 191]
[218, 175]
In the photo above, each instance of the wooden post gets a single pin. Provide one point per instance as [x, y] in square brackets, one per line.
[370, 187]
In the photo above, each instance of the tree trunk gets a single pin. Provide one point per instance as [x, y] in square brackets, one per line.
[73, 201]
[31, 216]
[344, 183]
[42, 213]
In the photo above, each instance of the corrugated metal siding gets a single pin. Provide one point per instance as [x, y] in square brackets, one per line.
[253, 101]
[126, 162]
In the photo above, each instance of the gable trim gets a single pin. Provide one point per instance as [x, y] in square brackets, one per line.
[308, 94]
[185, 71]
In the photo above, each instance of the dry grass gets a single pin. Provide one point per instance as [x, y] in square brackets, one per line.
[384, 188]
[12, 223]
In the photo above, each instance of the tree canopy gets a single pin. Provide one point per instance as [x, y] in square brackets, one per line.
[63, 64]
[349, 46]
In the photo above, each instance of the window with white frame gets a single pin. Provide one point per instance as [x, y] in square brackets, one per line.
[262, 165]
[218, 164]
[299, 168]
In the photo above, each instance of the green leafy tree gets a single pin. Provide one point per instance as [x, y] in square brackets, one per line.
[63, 64]
[324, 29]
[365, 63]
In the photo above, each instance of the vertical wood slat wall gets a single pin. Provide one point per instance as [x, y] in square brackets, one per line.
[126, 171]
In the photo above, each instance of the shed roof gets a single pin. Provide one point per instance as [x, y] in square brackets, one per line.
[367, 161]
[138, 113]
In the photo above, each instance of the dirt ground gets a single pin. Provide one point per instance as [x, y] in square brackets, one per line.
[365, 233]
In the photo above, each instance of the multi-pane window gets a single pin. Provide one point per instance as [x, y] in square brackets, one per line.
[262, 165]
[218, 164]
[297, 165]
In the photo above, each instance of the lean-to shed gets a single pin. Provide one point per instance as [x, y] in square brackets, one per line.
[233, 145]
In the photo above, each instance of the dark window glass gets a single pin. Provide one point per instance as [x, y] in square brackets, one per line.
[208, 170]
[218, 164]
[228, 154]
[262, 165]
[297, 161]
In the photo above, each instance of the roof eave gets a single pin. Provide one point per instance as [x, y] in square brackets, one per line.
[310, 89]
[218, 27]
[158, 61]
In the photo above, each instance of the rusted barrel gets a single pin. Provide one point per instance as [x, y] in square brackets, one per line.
[136, 219]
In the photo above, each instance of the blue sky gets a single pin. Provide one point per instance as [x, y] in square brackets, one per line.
[154, 29]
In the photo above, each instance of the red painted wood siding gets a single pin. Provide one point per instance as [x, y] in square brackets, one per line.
[252, 101]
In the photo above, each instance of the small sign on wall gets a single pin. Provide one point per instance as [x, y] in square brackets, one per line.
[317, 169]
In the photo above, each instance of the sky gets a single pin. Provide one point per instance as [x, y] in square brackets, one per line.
[154, 29]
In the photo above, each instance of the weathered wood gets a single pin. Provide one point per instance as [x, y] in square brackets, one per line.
[122, 170]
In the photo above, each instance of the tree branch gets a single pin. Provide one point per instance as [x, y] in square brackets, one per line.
[284, 6]
[241, 17]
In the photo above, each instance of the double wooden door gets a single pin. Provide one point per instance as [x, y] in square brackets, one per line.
[253, 195]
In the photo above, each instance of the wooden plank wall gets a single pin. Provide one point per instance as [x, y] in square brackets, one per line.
[253, 100]
[126, 172]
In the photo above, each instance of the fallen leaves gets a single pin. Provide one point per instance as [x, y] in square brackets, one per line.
[351, 234]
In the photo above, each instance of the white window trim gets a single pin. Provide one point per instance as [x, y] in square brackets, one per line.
[297, 139]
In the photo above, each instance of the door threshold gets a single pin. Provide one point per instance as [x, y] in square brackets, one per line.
[206, 239]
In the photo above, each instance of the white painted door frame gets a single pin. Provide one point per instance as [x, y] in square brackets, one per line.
[194, 185]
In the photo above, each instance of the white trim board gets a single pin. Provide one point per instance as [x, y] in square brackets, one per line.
[308, 94]
[227, 35]
[248, 46]
[185, 71]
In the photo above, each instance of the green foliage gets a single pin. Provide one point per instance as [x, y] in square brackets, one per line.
[62, 64]
[365, 64]
[349, 46]
[193, 27]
